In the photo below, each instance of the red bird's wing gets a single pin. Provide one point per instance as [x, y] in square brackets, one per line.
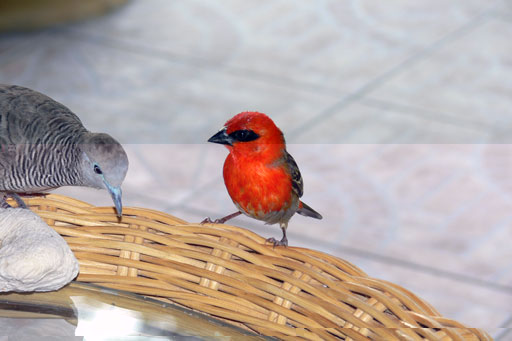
[298, 187]
[297, 184]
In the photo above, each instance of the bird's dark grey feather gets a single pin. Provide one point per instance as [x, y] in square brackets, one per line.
[38, 138]
[298, 187]
[43, 145]
[297, 184]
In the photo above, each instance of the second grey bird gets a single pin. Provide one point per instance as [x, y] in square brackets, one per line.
[43, 145]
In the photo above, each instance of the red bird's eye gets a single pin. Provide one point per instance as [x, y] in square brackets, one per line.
[244, 135]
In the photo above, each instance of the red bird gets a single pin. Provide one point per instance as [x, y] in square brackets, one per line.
[262, 179]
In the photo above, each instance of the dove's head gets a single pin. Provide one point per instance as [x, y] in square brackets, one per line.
[104, 165]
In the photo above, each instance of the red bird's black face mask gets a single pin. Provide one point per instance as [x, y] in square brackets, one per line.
[242, 135]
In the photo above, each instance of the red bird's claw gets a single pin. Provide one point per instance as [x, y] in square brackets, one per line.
[282, 242]
[208, 220]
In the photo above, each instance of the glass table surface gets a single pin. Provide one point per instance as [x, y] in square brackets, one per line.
[82, 311]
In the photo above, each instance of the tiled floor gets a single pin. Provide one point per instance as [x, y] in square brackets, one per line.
[392, 111]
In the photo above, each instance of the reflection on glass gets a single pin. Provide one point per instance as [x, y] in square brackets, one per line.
[87, 312]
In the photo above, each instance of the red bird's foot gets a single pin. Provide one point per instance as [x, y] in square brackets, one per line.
[282, 242]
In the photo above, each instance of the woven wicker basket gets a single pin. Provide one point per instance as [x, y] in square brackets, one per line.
[230, 273]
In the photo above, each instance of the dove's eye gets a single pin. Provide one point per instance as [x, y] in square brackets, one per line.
[97, 169]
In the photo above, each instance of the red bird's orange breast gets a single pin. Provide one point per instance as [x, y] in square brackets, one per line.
[256, 187]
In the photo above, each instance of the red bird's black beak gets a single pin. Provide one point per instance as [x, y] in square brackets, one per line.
[221, 138]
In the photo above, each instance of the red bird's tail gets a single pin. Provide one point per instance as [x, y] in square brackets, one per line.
[307, 211]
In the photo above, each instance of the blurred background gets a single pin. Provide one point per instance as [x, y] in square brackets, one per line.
[397, 113]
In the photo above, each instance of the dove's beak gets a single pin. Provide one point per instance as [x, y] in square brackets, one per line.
[116, 193]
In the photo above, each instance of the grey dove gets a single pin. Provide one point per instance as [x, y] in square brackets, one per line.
[43, 145]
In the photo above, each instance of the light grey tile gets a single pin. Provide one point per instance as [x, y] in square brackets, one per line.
[469, 79]
[363, 124]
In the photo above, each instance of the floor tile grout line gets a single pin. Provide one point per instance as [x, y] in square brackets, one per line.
[388, 260]
[390, 73]
[446, 119]
[506, 328]
[503, 333]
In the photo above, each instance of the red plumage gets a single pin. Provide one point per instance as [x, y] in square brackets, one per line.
[262, 179]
